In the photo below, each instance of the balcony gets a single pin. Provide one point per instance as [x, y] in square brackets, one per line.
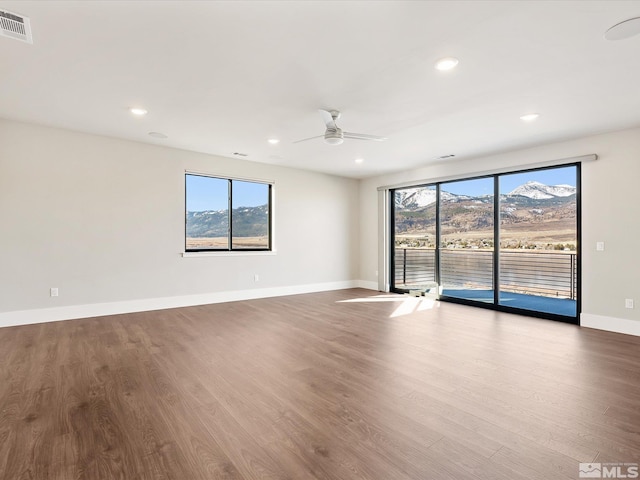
[533, 280]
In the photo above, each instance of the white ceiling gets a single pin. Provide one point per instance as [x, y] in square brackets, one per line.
[222, 77]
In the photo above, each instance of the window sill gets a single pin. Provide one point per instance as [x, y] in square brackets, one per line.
[226, 253]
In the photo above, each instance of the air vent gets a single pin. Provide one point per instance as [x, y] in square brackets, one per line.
[238, 154]
[15, 26]
[444, 157]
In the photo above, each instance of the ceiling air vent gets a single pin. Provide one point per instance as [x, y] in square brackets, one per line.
[15, 26]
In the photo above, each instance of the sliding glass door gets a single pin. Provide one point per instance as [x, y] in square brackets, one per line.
[466, 239]
[539, 240]
[509, 241]
[414, 233]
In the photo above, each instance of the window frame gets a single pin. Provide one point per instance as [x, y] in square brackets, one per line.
[230, 248]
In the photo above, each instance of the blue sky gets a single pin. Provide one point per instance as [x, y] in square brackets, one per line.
[483, 186]
[208, 193]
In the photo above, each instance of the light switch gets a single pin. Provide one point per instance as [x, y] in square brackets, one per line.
[600, 246]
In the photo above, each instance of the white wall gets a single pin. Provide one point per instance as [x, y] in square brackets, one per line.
[610, 192]
[103, 220]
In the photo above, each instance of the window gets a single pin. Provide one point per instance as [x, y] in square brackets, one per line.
[226, 214]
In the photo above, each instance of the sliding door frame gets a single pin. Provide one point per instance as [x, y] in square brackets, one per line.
[496, 245]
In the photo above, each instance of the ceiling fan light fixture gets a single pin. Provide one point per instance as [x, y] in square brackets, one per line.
[334, 135]
[333, 139]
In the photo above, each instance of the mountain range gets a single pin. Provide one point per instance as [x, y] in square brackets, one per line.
[532, 202]
[247, 222]
[420, 197]
[534, 213]
[539, 190]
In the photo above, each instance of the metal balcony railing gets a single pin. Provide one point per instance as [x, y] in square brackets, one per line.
[549, 274]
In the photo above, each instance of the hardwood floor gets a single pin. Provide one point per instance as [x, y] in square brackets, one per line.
[341, 385]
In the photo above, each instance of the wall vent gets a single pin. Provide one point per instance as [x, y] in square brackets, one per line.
[15, 26]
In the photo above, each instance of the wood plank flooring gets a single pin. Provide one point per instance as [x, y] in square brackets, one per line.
[350, 384]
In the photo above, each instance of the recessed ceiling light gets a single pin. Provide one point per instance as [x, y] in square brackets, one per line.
[138, 111]
[623, 30]
[446, 63]
[529, 117]
[359, 160]
[157, 135]
[273, 141]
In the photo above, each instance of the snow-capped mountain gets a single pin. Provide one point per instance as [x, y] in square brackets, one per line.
[247, 222]
[415, 198]
[540, 191]
[421, 197]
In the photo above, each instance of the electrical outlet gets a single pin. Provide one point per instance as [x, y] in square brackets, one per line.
[628, 303]
[53, 292]
[600, 246]
[256, 278]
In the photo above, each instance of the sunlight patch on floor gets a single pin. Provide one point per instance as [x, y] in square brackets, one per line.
[411, 305]
[408, 305]
[377, 298]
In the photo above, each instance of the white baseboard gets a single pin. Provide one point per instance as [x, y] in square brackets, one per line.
[611, 324]
[42, 315]
[367, 285]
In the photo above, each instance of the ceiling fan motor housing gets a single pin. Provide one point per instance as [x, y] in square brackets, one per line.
[334, 137]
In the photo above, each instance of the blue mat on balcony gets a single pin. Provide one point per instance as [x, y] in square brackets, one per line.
[558, 306]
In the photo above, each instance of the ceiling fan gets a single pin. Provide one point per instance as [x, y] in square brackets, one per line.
[334, 134]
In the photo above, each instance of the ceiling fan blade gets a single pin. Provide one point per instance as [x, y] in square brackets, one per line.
[364, 136]
[328, 120]
[310, 138]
